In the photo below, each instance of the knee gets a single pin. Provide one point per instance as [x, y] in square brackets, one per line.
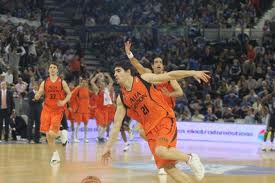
[161, 152]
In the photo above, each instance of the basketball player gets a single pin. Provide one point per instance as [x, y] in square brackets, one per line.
[103, 111]
[57, 94]
[82, 112]
[70, 110]
[139, 96]
[269, 100]
[170, 89]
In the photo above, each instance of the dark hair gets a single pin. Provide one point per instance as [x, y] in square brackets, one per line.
[124, 64]
[53, 63]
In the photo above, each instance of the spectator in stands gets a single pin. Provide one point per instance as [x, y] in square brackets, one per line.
[18, 126]
[21, 87]
[235, 70]
[231, 99]
[209, 116]
[197, 116]
[228, 115]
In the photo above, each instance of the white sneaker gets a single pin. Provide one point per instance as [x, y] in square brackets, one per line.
[264, 146]
[86, 140]
[196, 166]
[64, 137]
[162, 171]
[76, 141]
[126, 148]
[55, 158]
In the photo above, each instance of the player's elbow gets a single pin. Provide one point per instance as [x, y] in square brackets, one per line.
[180, 93]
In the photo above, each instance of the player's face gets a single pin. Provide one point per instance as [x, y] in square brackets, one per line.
[53, 70]
[120, 75]
[158, 66]
[84, 83]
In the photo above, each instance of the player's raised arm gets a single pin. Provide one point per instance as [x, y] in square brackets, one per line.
[134, 61]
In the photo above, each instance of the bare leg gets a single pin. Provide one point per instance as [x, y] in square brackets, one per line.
[123, 135]
[171, 154]
[85, 132]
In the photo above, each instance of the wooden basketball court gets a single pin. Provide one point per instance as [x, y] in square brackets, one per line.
[224, 163]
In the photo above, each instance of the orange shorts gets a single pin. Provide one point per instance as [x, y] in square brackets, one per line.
[81, 117]
[92, 113]
[102, 116]
[71, 115]
[164, 134]
[50, 120]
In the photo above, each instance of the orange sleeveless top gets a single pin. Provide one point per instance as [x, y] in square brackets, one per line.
[171, 101]
[53, 93]
[83, 99]
[146, 103]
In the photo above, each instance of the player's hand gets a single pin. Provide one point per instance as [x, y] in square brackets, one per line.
[106, 156]
[127, 46]
[202, 76]
[61, 103]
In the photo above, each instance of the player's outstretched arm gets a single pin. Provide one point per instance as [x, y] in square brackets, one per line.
[136, 64]
[119, 115]
[176, 75]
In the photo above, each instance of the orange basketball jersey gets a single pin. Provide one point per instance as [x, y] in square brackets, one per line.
[83, 99]
[147, 103]
[171, 101]
[53, 93]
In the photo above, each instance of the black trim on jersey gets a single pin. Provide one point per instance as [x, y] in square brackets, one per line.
[146, 84]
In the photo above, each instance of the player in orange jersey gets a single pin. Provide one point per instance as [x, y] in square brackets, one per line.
[70, 110]
[82, 111]
[104, 106]
[139, 95]
[57, 94]
[170, 89]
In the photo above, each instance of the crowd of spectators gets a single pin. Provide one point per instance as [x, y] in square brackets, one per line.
[201, 13]
[243, 72]
[26, 50]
